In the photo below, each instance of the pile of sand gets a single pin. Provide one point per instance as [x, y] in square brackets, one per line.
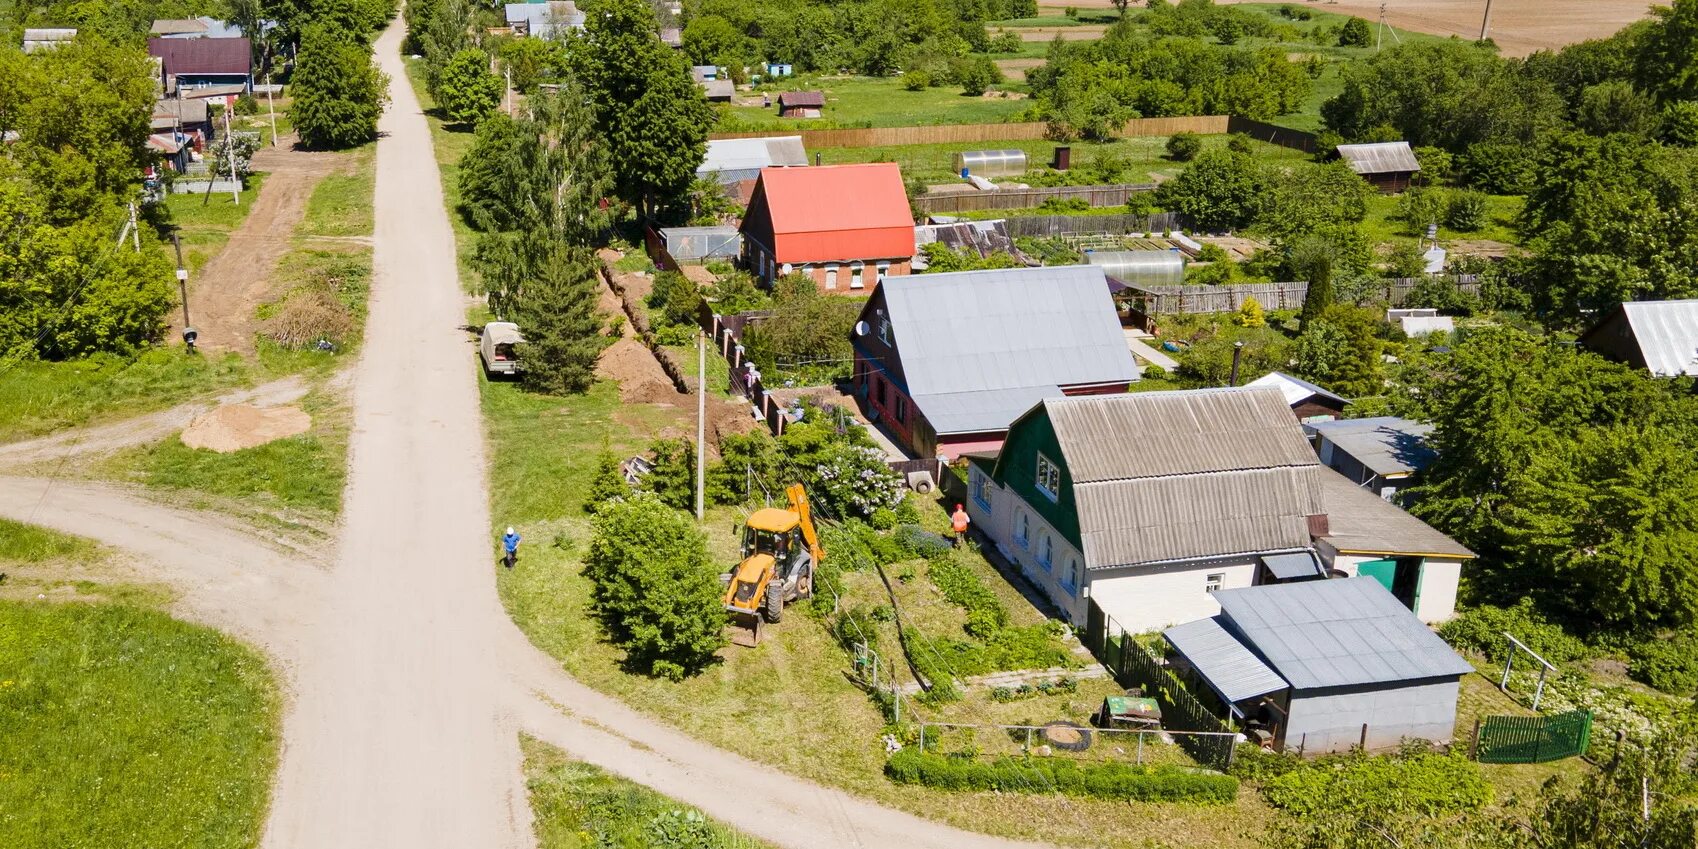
[233, 427]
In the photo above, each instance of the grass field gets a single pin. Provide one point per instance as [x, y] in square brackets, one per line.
[1382, 225]
[124, 727]
[580, 806]
[341, 204]
[871, 102]
[1145, 157]
[204, 222]
[40, 397]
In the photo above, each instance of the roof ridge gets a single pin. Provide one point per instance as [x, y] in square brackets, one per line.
[1210, 472]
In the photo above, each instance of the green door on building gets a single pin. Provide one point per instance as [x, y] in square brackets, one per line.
[1401, 578]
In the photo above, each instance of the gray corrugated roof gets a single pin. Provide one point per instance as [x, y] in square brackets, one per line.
[1296, 564]
[1361, 522]
[1337, 633]
[1667, 333]
[1386, 445]
[1232, 670]
[1294, 389]
[1164, 476]
[1379, 157]
[752, 154]
[1147, 434]
[1016, 333]
[719, 88]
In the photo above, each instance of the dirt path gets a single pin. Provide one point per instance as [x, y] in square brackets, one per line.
[225, 293]
[140, 431]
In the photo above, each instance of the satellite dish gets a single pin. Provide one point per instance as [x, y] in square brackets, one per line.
[861, 328]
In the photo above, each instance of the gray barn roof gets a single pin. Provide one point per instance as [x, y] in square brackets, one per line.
[1295, 564]
[1361, 522]
[1230, 669]
[1162, 476]
[1667, 334]
[1385, 445]
[1379, 158]
[980, 347]
[751, 155]
[1338, 633]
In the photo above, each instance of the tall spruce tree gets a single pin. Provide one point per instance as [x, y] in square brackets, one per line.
[556, 312]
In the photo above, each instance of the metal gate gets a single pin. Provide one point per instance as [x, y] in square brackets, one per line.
[1532, 739]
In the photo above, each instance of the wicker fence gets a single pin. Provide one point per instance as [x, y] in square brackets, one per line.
[969, 133]
[957, 202]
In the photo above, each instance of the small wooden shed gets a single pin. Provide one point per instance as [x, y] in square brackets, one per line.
[1387, 166]
[801, 104]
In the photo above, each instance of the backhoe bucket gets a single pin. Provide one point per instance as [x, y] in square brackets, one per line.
[745, 630]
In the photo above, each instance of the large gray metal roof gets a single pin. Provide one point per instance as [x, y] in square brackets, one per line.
[1386, 445]
[1231, 670]
[976, 345]
[1338, 633]
[1667, 333]
[1361, 522]
[1294, 389]
[1379, 157]
[752, 154]
[1161, 476]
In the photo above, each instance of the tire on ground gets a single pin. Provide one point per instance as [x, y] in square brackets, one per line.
[774, 607]
[1067, 736]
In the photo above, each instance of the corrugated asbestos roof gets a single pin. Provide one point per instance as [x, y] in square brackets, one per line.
[1295, 389]
[801, 98]
[1361, 522]
[1379, 158]
[1667, 333]
[981, 347]
[1337, 633]
[752, 154]
[1386, 445]
[1180, 517]
[1149, 434]
[1231, 670]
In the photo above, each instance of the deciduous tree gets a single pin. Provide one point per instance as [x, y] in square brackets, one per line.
[467, 91]
[339, 93]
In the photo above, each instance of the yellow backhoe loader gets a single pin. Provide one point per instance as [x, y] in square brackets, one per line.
[780, 553]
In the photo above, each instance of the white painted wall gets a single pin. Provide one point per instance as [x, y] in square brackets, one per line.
[1439, 578]
[1150, 598]
[1001, 523]
[1333, 723]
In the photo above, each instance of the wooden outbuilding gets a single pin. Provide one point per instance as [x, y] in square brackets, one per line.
[1387, 166]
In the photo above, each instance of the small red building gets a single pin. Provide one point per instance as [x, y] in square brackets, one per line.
[946, 362]
[801, 104]
[847, 226]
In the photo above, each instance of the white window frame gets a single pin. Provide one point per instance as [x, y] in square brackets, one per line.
[855, 275]
[1071, 579]
[882, 271]
[884, 330]
[901, 408]
[1046, 550]
[1023, 529]
[981, 489]
[1048, 478]
[1214, 582]
[831, 275]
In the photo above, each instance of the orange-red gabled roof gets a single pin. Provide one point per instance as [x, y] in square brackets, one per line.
[832, 213]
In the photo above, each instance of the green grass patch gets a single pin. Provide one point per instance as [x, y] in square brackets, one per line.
[1116, 781]
[871, 102]
[204, 222]
[1382, 225]
[21, 543]
[40, 397]
[341, 204]
[124, 727]
[1145, 157]
[579, 805]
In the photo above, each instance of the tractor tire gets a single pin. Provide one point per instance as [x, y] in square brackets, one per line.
[805, 585]
[774, 607]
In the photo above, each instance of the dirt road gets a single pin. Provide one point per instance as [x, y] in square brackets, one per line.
[1519, 27]
[232, 285]
[408, 685]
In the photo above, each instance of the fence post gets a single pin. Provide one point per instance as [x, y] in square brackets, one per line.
[1140, 759]
[1474, 748]
[1028, 737]
[1364, 742]
[922, 736]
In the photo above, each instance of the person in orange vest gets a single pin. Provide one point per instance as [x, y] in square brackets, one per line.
[960, 521]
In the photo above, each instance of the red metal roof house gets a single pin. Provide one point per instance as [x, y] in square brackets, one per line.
[194, 63]
[846, 226]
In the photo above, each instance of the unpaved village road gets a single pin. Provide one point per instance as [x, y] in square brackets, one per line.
[407, 685]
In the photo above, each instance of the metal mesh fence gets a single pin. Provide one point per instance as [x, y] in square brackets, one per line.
[1533, 739]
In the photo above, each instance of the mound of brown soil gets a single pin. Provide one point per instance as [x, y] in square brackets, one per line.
[233, 427]
[641, 380]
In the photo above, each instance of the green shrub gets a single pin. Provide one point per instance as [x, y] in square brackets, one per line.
[1467, 212]
[1428, 783]
[1667, 663]
[929, 661]
[961, 585]
[1104, 781]
[1481, 629]
[1184, 147]
[1240, 143]
[1259, 765]
[1027, 691]
[883, 519]
[920, 542]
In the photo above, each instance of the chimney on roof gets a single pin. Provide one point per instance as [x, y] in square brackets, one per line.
[1319, 526]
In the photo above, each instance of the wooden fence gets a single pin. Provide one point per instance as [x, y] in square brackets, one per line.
[745, 379]
[969, 133]
[1274, 134]
[957, 202]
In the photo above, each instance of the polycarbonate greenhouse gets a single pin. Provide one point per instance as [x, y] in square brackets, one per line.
[991, 163]
[1149, 268]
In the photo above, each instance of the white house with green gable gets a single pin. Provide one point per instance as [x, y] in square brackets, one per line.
[1139, 507]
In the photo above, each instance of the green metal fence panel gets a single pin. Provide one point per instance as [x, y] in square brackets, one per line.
[1533, 739]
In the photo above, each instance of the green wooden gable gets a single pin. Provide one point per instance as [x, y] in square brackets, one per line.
[1017, 469]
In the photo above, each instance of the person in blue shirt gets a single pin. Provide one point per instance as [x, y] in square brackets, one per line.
[510, 545]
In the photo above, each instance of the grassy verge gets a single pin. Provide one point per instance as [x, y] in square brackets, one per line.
[578, 805]
[341, 204]
[204, 222]
[125, 727]
[41, 397]
[787, 703]
[28, 544]
[451, 145]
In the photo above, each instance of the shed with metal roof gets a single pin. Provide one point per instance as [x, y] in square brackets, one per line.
[1387, 166]
[1658, 336]
[1360, 669]
[1382, 453]
[733, 160]
[1308, 401]
[801, 104]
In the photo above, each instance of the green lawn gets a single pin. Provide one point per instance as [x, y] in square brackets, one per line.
[124, 727]
[204, 222]
[29, 544]
[40, 397]
[870, 102]
[1145, 156]
[580, 806]
[1382, 225]
[341, 204]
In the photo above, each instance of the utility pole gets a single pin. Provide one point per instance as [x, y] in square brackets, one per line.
[230, 154]
[1486, 22]
[270, 103]
[701, 421]
[189, 333]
